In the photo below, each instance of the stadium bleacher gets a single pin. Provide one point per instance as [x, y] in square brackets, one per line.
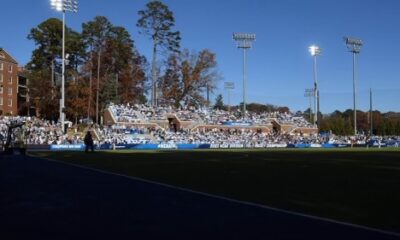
[142, 124]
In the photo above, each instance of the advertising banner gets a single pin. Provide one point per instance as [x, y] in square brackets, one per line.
[148, 146]
[67, 147]
[277, 145]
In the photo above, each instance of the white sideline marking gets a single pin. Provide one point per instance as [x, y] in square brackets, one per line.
[227, 199]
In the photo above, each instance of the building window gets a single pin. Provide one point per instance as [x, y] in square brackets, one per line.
[10, 68]
[9, 102]
[1, 89]
[1, 101]
[1, 66]
[1, 77]
[9, 91]
[10, 80]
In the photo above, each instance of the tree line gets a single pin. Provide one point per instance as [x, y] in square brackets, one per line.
[103, 65]
[368, 123]
[337, 122]
[382, 124]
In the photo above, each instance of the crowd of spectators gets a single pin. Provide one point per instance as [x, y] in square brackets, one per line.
[120, 134]
[220, 136]
[39, 131]
[139, 113]
[35, 131]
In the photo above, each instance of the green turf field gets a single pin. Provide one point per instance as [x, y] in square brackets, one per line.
[360, 186]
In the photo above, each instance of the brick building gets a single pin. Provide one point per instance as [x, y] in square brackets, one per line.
[23, 103]
[9, 84]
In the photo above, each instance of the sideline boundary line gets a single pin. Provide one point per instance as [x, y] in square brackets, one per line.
[396, 234]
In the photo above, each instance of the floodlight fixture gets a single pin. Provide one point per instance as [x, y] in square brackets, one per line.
[64, 5]
[314, 50]
[229, 85]
[309, 92]
[244, 41]
[244, 36]
[353, 45]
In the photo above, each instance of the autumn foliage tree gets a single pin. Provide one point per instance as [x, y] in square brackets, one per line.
[116, 63]
[188, 75]
[78, 93]
[102, 51]
[46, 61]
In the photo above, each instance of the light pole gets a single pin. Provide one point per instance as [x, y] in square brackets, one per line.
[370, 112]
[309, 92]
[315, 51]
[244, 41]
[228, 86]
[63, 6]
[354, 46]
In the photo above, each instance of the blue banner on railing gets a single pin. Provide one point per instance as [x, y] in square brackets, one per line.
[342, 145]
[129, 146]
[67, 147]
[149, 146]
[298, 145]
[393, 143]
[230, 123]
[328, 145]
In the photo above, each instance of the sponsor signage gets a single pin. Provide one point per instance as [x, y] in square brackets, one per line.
[148, 146]
[167, 146]
[276, 145]
[244, 124]
[67, 147]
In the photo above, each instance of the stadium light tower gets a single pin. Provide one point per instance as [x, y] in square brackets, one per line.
[354, 46]
[63, 6]
[370, 113]
[228, 86]
[309, 92]
[315, 51]
[244, 41]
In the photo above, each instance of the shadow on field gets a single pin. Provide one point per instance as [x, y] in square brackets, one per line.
[358, 186]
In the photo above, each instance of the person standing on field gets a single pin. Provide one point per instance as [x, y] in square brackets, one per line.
[89, 142]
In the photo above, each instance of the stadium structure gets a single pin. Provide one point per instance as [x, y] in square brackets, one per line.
[194, 119]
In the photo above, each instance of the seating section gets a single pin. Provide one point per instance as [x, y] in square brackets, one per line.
[137, 123]
[143, 114]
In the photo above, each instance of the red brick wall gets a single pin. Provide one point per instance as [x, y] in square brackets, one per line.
[7, 61]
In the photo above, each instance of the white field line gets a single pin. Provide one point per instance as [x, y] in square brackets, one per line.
[227, 199]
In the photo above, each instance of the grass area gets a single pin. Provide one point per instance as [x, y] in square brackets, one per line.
[360, 186]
